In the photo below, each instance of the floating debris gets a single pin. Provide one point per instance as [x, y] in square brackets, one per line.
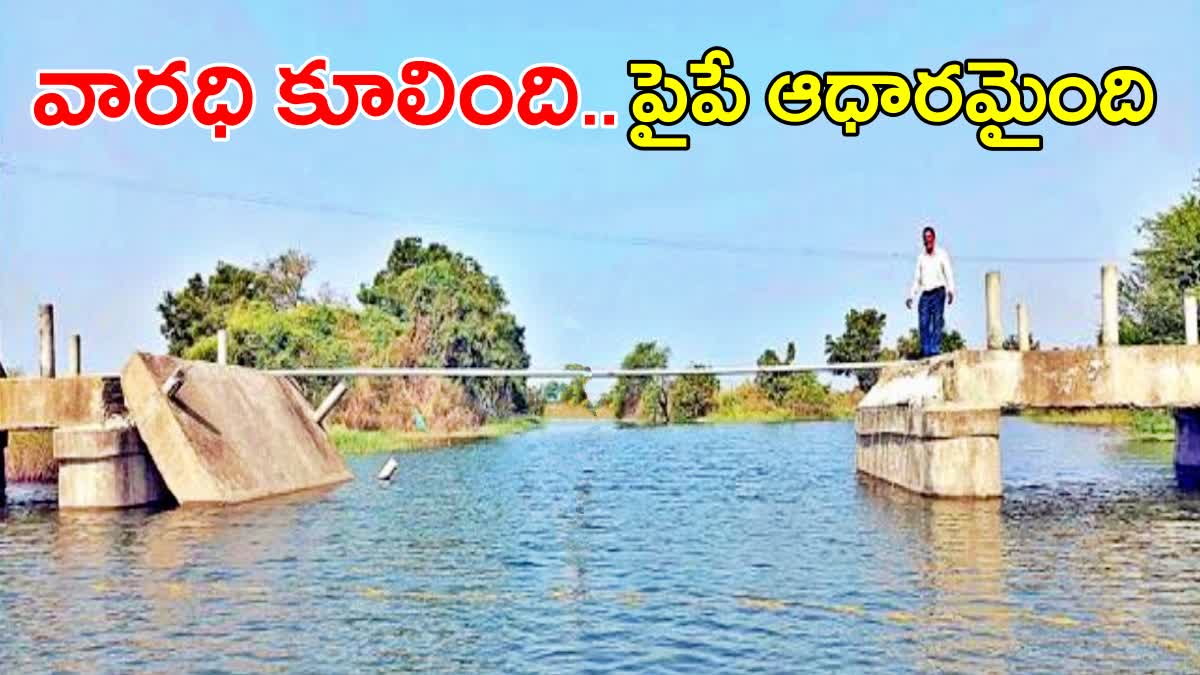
[388, 470]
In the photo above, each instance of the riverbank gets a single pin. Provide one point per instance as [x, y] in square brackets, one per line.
[357, 441]
[743, 404]
[747, 404]
[574, 411]
[1140, 425]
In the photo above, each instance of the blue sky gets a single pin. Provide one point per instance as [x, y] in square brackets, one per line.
[528, 204]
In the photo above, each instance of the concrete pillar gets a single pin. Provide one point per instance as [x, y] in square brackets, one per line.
[995, 323]
[1109, 316]
[1187, 448]
[938, 450]
[1022, 327]
[74, 358]
[46, 340]
[223, 347]
[1190, 327]
[105, 467]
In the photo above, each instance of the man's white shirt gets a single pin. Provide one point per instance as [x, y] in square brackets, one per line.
[933, 271]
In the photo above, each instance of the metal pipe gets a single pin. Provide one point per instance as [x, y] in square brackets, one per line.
[173, 382]
[330, 402]
[388, 470]
[606, 373]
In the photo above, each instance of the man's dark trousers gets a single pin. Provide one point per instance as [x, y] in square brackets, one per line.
[930, 314]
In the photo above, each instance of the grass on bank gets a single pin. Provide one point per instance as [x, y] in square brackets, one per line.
[30, 457]
[357, 441]
[747, 403]
[1141, 425]
[576, 411]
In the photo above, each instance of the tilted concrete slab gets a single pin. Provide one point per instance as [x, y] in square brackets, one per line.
[43, 403]
[229, 434]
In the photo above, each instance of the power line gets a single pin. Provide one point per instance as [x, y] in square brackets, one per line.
[329, 208]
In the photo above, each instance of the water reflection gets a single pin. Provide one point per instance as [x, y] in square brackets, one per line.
[585, 547]
[958, 547]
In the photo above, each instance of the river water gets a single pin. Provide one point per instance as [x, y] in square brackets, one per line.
[588, 547]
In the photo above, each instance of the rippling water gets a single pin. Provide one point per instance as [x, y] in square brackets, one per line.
[584, 546]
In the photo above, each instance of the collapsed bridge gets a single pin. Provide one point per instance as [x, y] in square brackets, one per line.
[174, 431]
[208, 433]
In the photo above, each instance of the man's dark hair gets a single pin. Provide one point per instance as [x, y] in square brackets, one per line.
[928, 230]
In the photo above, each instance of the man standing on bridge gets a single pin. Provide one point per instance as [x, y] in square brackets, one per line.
[934, 280]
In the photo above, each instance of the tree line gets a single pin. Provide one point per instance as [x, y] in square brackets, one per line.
[428, 306]
[434, 307]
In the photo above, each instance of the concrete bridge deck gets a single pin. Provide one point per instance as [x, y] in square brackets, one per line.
[933, 426]
[1103, 377]
[44, 403]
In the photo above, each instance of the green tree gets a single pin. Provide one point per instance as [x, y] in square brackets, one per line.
[466, 315]
[860, 342]
[575, 391]
[283, 278]
[775, 385]
[305, 336]
[628, 394]
[1165, 266]
[652, 403]
[536, 399]
[1012, 344]
[199, 309]
[909, 346]
[692, 396]
[799, 391]
[552, 391]
[408, 254]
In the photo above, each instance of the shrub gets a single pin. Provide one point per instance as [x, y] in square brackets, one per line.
[692, 397]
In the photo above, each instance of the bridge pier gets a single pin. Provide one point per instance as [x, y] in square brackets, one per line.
[105, 466]
[1187, 448]
[3, 477]
[935, 449]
